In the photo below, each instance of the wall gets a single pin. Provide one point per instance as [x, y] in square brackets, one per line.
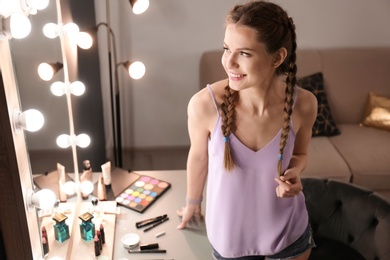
[172, 34]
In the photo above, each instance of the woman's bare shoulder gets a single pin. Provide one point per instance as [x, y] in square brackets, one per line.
[307, 102]
[202, 104]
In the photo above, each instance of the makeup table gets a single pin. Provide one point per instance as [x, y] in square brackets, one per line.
[188, 244]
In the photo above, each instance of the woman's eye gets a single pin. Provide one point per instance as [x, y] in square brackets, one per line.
[245, 54]
[225, 49]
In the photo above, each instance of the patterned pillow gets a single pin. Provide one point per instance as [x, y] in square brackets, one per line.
[377, 112]
[324, 124]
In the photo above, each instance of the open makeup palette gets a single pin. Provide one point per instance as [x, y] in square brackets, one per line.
[142, 193]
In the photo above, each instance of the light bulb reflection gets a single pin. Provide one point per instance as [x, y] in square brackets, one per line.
[50, 30]
[45, 71]
[76, 88]
[69, 187]
[84, 40]
[71, 30]
[82, 140]
[86, 187]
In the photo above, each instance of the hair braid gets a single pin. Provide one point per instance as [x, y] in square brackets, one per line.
[289, 100]
[228, 120]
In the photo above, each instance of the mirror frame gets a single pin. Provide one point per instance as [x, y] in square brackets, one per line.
[15, 173]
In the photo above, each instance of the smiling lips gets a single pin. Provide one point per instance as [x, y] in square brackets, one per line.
[236, 77]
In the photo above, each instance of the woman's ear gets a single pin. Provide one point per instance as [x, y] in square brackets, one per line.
[279, 57]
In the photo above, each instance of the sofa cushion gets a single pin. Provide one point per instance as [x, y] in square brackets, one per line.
[324, 124]
[366, 151]
[377, 112]
[324, 161]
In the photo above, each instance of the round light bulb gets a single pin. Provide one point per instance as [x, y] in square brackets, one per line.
[140, 6]
[32, 120]
[137, 70]
[58, 88]
[77, 88]
[71, 30]
[63, 141]
[47, 199]
[84, 40]
[86, 187]
[38, 4]
[83, 140]
[20, 26]
[69, 187]
[45, 71]
[50, 30]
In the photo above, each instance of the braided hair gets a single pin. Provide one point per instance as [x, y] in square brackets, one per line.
[276, 30]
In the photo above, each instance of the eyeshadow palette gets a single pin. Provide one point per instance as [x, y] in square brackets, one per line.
[142, 193]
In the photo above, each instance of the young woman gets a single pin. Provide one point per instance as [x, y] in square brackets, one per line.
[249, 138]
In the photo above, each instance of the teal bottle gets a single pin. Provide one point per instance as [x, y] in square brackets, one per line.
[87, 228]
[61, 229]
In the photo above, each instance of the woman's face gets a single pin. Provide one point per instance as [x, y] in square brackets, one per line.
[245, 59]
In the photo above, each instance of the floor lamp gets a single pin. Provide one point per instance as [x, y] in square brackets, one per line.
[136, 71]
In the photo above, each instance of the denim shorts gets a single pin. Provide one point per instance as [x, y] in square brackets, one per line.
[297, 248]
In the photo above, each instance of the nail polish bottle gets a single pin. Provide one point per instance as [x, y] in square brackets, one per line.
[87, 228]
[61, 229]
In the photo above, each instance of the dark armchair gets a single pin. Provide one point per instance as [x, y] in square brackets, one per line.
[348, 222]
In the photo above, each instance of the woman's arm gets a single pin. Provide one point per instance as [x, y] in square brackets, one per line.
[199, 117]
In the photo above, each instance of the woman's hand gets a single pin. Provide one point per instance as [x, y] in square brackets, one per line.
[189, 213]
[289, 184]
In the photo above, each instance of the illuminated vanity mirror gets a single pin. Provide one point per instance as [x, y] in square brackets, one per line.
[27, 55]
[25, 89]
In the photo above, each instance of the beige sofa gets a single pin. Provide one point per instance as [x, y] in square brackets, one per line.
[359, 154]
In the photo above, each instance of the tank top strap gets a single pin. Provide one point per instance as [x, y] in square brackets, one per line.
[213, 97]
[295, 95]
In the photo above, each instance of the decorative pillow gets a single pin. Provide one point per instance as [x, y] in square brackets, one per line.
[377, 112]
[324, 124]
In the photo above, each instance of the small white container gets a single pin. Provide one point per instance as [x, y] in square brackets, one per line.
[130, 240]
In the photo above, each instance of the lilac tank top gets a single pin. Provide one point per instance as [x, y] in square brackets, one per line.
[243, 214]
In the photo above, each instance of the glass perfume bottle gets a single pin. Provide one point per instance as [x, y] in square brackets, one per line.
[61, 229]
[87, 228]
